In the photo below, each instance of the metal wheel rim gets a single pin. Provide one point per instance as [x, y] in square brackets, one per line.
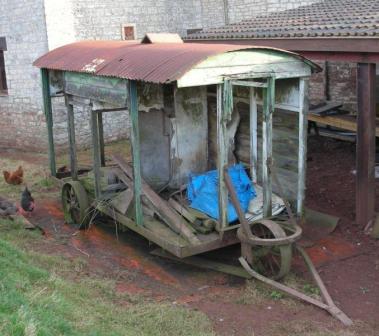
[271, 261]
[75, 204]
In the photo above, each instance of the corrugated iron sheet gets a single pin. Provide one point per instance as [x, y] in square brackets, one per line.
[158, 63]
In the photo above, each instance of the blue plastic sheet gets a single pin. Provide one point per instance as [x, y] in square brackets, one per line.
[202, 192]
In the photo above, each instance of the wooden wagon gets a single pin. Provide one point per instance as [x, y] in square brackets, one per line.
[192, 108]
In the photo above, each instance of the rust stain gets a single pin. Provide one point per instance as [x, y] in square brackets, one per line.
[330, 249]
[119, 252]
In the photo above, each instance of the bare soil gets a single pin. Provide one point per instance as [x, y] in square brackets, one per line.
[347, 260]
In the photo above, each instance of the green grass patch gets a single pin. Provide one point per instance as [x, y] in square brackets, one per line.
[37, 297]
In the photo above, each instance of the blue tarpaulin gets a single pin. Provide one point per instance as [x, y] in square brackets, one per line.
[202, 192]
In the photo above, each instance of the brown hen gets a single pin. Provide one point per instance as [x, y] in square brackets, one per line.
[15, 177]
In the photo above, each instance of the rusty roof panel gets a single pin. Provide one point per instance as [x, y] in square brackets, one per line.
[158, 63]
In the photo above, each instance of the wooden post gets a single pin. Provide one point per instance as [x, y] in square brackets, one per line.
[71, 138]
[49, 119]
[222, 159]
[302, 160]
[365, 157]
[268, 109]
[101, 137]
[133, 111]
[253, 135]
[95, 151]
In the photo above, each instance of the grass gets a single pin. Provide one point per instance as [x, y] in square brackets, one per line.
[85, 158]
[37, 297]
[257, 292]
[45, 294]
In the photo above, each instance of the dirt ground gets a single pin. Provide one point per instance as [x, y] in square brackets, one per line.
[348, 261]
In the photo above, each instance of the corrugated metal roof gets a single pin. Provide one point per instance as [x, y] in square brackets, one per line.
[158, 63]
[336, 18]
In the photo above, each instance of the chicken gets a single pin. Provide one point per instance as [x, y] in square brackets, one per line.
[15, 177]
[7, 208]
[27, 201]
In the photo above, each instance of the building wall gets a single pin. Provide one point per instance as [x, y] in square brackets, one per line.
[337, 82]
[21, 117]
[103, 19]
[54, 23]
[96, 20]
[246, 9]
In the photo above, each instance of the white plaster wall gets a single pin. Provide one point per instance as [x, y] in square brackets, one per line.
[59, 22]
[22, 23]
[32, 27]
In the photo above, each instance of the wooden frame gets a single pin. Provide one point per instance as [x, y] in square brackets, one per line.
[226, 234]
[71, 138]
[268, 110]
[253, 134]
[303, 127]
[222, 158]
[49, 119]
[133, 111]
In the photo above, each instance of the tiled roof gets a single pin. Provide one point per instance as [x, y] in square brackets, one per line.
[330, 18]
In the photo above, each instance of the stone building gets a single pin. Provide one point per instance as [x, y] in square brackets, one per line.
[30, 28]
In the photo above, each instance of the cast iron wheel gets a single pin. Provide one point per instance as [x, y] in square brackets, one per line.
[274, 261]
[75, 204]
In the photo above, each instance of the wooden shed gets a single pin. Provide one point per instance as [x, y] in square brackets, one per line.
[193, 108]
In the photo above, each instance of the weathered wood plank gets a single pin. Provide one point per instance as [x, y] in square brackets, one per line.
[101, 137]
[253, 136]
[222, 159]
[100, 88]
[303, 129]
[268, 109]
[49, 119]
[173, 220]
[71, 139]
[95, 152]
[133, 112]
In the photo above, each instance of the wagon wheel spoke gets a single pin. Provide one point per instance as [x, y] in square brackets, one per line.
[273, 261]
[75, 204]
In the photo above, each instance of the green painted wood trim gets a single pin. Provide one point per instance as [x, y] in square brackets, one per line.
[49, 119]
[71, 139]
[222, 157]
[95, 152]
[101, 137]
[268, 110]
[253, 117]
[133, 111]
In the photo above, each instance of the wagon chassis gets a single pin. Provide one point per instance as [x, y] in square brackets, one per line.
[267, 238]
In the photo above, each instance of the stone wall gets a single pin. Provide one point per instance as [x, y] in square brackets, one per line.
[212, 13]
[104, 19]
[337, 82]
[21, 117]
[246, 9]
[32, 27]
